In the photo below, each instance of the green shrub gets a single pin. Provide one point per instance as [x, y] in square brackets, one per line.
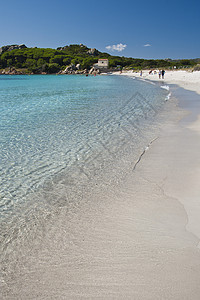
[53, 68]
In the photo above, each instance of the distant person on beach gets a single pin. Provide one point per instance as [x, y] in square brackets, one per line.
[159, 74]
[141, 73]
[163, 74]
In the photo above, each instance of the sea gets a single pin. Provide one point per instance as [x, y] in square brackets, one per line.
[63, 138]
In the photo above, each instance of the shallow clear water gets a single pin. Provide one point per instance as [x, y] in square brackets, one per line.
[58, 134]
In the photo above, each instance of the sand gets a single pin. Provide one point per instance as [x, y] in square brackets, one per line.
[186, 79]
[138, 241]
[187, 190]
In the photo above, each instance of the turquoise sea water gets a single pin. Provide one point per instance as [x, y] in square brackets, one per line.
[60, 134]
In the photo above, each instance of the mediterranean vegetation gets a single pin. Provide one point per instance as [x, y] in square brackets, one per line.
[50, 61]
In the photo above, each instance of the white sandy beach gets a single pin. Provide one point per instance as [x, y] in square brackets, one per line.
[139, 241]
[189, 192]
[185, 79]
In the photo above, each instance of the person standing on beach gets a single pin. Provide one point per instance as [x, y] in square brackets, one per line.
[159, 74]
[141, 73]
[163, 74]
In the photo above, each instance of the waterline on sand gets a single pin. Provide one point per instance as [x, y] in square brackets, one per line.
[123, 235]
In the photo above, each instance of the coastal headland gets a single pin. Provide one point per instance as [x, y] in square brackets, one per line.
[77, 59]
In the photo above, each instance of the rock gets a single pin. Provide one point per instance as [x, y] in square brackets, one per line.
[91, 70]
[11, 47]
[66, 47]
[93, 52]
[70, 68]
[73, 67]
[11, 71]
[67, 69]
[62, 48]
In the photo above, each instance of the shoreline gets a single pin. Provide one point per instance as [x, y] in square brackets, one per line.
[136, 242]
[186, 81]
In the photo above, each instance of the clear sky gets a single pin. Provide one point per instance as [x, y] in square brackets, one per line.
[144, 29]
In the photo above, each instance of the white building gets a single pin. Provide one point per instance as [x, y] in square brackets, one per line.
[102, 63]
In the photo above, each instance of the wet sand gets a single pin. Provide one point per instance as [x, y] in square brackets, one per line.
[138, 241]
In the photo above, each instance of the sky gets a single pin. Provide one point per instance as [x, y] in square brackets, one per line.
[140, 29]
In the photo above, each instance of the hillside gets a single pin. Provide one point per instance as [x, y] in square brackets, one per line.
[18, 59]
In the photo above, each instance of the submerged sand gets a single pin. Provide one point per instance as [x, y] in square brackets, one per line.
[139, 241]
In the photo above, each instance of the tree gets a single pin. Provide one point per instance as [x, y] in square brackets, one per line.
[41, 62]
[53, 68]
[88, 62]
[67, 60]
[58, 59]
[9, 62]
[30, 62]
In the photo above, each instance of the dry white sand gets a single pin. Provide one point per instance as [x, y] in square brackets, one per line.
[185, 79]
[133, 242]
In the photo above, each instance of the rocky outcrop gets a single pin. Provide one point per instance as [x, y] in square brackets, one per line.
[93, 52]
[69, 69]
[94, 71]
[91, 70]
[11, 71]
[11, 47]
[66, 47]
[62, 48]
[72, 69]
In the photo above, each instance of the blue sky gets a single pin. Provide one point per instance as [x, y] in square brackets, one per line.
[144, 29]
